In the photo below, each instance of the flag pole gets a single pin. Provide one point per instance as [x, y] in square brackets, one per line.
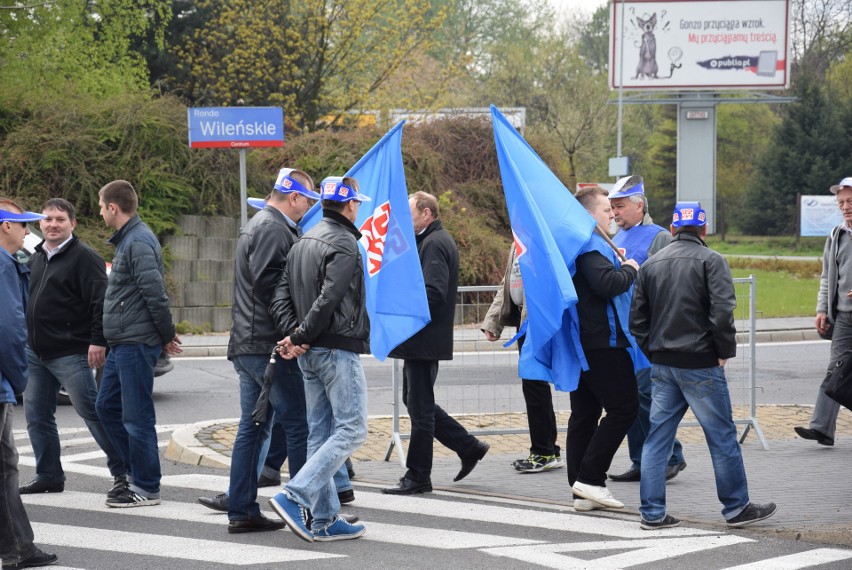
[614, 247]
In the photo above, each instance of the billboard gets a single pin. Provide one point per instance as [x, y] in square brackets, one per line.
[818, 215]
[235, 127]
[699, 44]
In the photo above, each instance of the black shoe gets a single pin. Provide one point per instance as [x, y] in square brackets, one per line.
[469, 463]
[813, 434]
[119, 486]
[667, 522]
[673, 470]
[257, 524]
[38, 558]
[265, 481]
[217, 503]
[408, 486]
[346, 496]
[35, 486]
[753, 513]
[630, 476]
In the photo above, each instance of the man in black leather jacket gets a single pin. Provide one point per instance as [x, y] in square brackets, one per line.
[320, 303]
[439, 259]
[683, 318]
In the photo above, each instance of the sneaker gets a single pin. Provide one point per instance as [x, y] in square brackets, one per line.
[294, 514]
[667, 522]
[599, 495]
[130, 499]
[753, 513]
[585, 505]
[537, 463]
[339, 529]
[36, 559]
[119, 486]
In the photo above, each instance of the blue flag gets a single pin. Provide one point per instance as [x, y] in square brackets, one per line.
[396, 294]
[551, 228]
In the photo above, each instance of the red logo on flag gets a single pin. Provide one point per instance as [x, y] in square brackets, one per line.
[374, 231]
[520, 248]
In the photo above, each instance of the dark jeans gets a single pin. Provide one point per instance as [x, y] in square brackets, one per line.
[608, 385]
[125, 406]
[429, 420]
[16, 534]
[287, 403]
[540, 415]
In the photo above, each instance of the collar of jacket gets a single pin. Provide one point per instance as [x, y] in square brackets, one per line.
[431, 228]
[74, 239]
[119, 234]
[342, 220]
[686, 236]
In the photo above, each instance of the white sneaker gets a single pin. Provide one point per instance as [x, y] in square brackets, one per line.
[599, 495]
[585, 505]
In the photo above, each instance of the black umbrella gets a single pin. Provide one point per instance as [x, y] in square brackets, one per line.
[262, 405]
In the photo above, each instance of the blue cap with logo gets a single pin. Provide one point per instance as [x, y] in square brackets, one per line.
[688, 214]
[286, 184]
[256, 203]
[627, 186]
[8, 216]
[333, 188]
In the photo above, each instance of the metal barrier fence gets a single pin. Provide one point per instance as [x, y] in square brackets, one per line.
[481, 383]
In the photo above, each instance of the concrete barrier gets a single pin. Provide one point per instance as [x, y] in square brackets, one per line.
[222, 227]
[182, 247]
[212, 270]
[216, 248]
[193, 225]
[199, 294]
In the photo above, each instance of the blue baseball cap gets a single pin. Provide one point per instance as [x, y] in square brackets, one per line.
[334, 189]
[287, 184]
[688, 214]
[627, 186]
[256, 203]
[7, 216]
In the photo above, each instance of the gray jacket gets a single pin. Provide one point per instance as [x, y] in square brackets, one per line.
[828, 279]
[136, 308]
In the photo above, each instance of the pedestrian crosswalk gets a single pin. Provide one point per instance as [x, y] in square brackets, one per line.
[433, 531]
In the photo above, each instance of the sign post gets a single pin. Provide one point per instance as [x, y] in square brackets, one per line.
[236, 127]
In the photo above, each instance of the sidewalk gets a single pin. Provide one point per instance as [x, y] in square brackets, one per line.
[809, 482]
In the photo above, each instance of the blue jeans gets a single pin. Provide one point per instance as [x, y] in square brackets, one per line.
[336, 394]
[16, 536]
[638, 432]
[286, 406]
[45, 378]
[125, 406]
[705, 390]
[276, 454]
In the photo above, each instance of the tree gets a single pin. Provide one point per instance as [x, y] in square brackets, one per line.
[821, 33]
[312, 57]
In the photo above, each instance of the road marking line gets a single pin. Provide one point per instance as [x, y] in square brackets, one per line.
[165, 546]
[799, 560]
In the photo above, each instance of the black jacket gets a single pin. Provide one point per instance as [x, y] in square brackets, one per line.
[321, 298]
[439, 259]
[683, 306]
[261, 256]
[66, 306]
[597, 281]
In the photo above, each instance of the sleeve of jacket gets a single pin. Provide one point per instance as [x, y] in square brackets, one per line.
[93, 284]
[146, 274]
[822, 296]
[13, 335]
[640, 316]
[492, 321]
[605, 280]
[661, 240]
[281, 308]
[340, 264]
[723, 301]
[435, 262]
[267, 259]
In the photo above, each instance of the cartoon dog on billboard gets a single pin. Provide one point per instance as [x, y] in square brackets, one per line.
[647, 67]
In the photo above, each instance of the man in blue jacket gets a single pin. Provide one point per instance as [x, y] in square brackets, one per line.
[138, 326]
[16, 535]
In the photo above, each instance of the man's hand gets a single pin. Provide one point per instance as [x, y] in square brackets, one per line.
[288, 351]
[632, 263]
[173, 347]
[722, 362]
[821, 323]
[490, 335]
[97, 356]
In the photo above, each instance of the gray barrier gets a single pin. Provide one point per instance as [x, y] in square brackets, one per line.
[497, 403]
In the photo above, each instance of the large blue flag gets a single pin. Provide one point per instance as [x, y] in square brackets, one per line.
[396, 294]
[551, 228]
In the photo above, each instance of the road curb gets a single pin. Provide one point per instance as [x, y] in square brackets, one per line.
[184, 446]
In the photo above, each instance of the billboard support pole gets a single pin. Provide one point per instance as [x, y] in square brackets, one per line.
[243, 191]
[620, 81]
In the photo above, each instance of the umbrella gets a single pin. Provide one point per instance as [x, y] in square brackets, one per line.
[262, 405]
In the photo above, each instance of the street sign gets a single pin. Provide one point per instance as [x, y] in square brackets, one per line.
[235, 127]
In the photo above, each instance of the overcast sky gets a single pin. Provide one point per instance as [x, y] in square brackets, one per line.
[587, 6]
